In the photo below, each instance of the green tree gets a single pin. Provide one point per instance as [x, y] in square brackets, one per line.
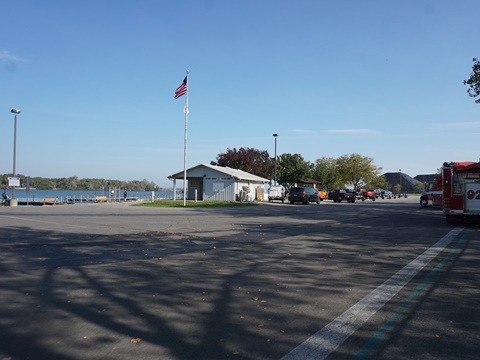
[137, 185]
[42, 183]
[251, 160]
[292, 167]
[358, 171]
[379, 183]
[418, 187]
[325, 171]
[96, 184]
[4, 180]
[397, 188]
[474, 81]
[62, 184]
[73, 183]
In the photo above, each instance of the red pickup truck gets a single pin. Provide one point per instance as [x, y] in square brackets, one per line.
[368, 194]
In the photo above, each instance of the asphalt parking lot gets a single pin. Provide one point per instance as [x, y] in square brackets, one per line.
[370, 280]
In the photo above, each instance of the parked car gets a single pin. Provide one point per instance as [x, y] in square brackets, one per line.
[304, 195]
[342, 195]
[323, 195]
[276, 193]
[369, 194]
[386, 194]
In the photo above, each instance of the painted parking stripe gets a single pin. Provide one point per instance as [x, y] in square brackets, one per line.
[325, 341]
[388, 325]
[43, 221]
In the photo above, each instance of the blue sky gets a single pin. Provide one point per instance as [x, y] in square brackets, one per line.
[95, 81]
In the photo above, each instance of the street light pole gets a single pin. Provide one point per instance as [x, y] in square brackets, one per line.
[14, 202]
[275, 174]
[400, 180]
[355, 174]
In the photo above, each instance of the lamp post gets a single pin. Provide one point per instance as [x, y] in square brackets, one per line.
[13, 201]
[355, 174]
[400, 180]
[275, 174]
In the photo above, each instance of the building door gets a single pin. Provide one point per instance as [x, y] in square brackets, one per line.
[195, 188]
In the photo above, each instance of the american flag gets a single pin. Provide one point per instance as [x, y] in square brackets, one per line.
[182, 89]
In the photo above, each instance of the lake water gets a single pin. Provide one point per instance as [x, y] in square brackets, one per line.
[64, 195]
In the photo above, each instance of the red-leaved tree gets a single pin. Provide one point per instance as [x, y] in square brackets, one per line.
[253, 161]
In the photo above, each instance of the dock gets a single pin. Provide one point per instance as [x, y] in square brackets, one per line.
[69, 201]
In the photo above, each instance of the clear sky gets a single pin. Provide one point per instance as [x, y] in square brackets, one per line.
[95, 82]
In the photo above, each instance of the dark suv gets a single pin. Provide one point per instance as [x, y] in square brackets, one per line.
[339, 195]
[304, 195]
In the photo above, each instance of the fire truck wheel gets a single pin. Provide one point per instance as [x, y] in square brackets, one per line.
[423, 203]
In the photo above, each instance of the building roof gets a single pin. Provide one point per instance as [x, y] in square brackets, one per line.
[308, 181]
[467, 166]
[235, 173]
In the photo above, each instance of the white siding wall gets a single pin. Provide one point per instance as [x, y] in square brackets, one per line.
[218, 185]
[219, 188]
[251, 186]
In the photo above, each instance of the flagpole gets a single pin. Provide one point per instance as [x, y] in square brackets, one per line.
[185, 148]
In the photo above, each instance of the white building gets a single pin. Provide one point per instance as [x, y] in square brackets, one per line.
[211, 182]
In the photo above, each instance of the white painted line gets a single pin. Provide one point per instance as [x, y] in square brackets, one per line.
[325, 341]
[43, 221]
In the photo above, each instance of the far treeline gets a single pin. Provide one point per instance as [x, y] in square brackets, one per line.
[74, 183]
[348, 171]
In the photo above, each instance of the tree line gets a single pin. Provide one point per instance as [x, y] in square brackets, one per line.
[349, 170]
[74, 183]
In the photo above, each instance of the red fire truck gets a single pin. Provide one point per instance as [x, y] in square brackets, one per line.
[461, 191]
[433, 194]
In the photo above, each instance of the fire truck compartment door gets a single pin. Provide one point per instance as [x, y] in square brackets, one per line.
[472, 197]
